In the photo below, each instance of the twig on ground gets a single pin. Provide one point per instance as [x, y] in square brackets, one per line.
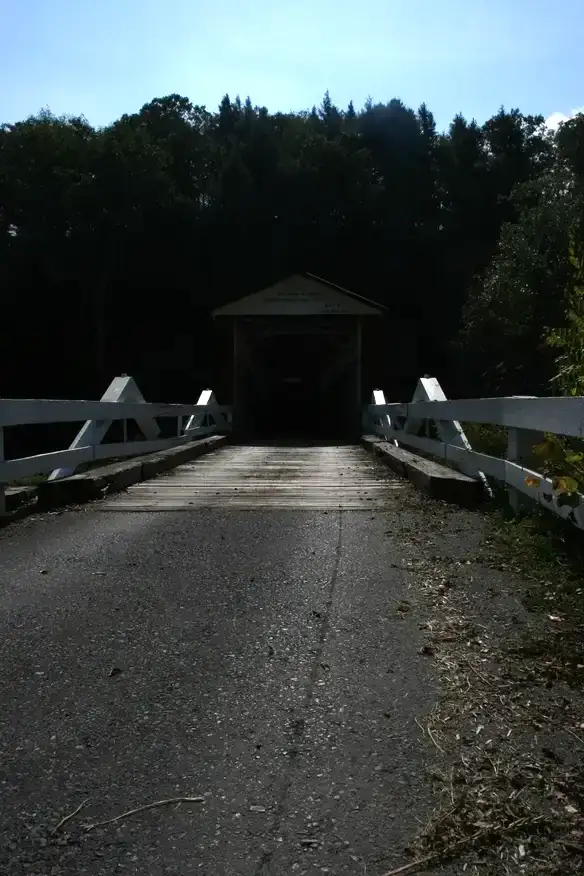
[431, 735]
[71, 815]
[169, 802]
[480, 674]
[411, 867]
[446, 814]
[461, 843]
[575, 735]
[420, 726]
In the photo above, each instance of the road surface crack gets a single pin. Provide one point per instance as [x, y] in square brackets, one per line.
[298, 725]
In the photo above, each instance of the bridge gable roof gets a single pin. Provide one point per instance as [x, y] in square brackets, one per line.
[301, 295]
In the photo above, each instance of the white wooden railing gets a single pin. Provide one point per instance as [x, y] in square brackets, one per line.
[526, 419]
[121, 401]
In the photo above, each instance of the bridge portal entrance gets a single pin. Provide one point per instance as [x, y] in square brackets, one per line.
[297, 361]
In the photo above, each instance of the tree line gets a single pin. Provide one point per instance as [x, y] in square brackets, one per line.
[117, 242]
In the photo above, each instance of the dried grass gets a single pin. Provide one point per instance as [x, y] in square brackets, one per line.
[508, 732]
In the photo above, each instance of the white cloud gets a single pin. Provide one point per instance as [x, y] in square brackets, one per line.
[556, 119]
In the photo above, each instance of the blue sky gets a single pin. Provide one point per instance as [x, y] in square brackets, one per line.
[101, 58]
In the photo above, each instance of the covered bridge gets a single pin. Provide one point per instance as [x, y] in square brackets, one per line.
[297, 360]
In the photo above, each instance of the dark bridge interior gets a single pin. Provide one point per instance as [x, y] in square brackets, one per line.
[300, 387]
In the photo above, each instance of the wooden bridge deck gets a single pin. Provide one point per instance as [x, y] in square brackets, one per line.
[248, 478]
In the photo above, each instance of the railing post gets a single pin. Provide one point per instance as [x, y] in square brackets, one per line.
[520, 444]
[121, 389]
[2, 486]
[196, 421]
[385, 420]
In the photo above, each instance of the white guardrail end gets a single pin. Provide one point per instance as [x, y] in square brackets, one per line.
[121, 401]
[526, 419]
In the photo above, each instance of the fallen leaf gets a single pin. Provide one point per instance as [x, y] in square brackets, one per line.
[564, 484]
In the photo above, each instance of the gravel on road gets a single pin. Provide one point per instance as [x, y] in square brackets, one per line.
[264, 662]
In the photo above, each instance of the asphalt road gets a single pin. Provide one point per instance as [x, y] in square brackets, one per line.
[264, 668]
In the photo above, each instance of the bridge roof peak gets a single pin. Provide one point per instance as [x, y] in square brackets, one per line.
[301, 295]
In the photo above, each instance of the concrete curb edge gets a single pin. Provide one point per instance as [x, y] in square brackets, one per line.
[107, 479]
[430, 477]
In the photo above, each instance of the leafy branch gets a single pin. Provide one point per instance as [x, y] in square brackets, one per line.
[563, 458]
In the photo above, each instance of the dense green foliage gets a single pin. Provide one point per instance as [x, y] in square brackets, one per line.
[116, 243]
[521, 321]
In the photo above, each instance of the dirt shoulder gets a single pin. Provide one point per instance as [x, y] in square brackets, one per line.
[503, 610]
